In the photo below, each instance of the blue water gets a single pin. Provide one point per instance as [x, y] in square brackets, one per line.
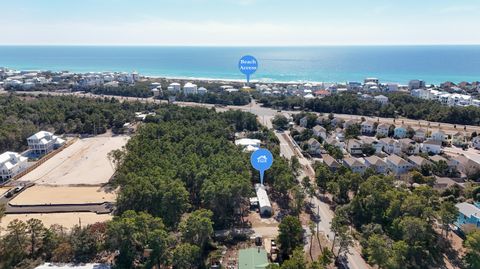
[434, 64]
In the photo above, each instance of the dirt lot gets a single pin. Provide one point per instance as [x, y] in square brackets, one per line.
[3, 190]
[63, 195]
[85, 162]
[68, 220]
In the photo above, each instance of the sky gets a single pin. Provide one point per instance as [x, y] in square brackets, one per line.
[239, 22]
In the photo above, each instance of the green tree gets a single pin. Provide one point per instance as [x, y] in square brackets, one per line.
[295, 164]
[280, 122]
[197, 228]
[15, 243]
[447, 214]
[296, 261]
[132, 233]
[186, 256]
[290, 235]
[378, 250]
[472, 244]
[36, 232]
[298, 200]
[352, 131]
[323, 176]
[84, 244]
[63, 253]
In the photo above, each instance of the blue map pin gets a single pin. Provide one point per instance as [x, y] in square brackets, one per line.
[261, 160]
[248, 65]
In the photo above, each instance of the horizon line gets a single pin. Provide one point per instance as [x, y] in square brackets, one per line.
[230, 45]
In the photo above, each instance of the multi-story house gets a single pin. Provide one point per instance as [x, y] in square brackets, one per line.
[376, 163]
[43, 142]
[398, 165]
[11, 164]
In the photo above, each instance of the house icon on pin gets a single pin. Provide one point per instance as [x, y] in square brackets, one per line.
[262, 159]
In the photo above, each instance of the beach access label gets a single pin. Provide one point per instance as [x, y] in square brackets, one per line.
[248, 65]
[261, 160]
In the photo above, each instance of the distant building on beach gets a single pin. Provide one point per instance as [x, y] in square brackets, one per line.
[189, 88]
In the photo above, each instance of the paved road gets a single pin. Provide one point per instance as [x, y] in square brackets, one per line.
[265, 114]
[288, 148]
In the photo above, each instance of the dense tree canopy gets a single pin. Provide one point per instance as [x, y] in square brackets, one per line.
[400, 104]
[184, 159]
[21, 117]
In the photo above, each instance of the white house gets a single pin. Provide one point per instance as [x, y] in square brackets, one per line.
[11, 164]
[354, 147]
[155, 92]
[398, 165]
[373, 142]
[459, 139]
[330, 162]
[43, 142]
[476, 142]
[372, 80]
[391, 146]
[202, 90]
[432, 146]
[349, 123]
[409, 146]
[400, 132]
[376, 163]
[382, 129]
[339, 135]
[439, 135]
[319, 131]
[304, 121]
[392, 87]
[355, 165]
[366, 127]
[263, 201]
[420, 135]
[418, 161]
[416, 84]
[249, 145]
[174, 87]
[190, 88]
[314, 146]
[464, 165]
[382, 99]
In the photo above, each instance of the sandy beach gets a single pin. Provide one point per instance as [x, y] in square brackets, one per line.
[85, 162]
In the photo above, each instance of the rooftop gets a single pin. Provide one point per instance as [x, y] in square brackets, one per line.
[350, 161]
[374, 160]
[329, 160]
[397, 160]
[418, 160]
[41, 135]
[252, 258]
[468, 209]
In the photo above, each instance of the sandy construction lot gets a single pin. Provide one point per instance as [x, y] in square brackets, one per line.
[85, 162]
[3, 190]
[67, 220]
[37, 195]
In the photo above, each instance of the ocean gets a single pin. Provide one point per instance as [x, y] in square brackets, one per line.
[433, 64]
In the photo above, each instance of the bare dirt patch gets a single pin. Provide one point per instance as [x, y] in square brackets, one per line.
[39, 195]
[67, 220]
[84, 162]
